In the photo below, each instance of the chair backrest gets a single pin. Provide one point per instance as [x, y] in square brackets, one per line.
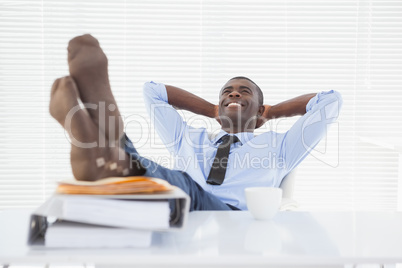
[288, 184]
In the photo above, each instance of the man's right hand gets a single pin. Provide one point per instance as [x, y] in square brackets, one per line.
[185, 100]
[264, 117]
[292, 107]
[216, 114]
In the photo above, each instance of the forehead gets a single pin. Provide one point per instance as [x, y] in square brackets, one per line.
[236, 83]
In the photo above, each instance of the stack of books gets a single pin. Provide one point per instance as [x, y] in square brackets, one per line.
[112, 212]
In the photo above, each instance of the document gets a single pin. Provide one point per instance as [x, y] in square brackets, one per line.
[114, 185]
[63, 234]
[143, 214]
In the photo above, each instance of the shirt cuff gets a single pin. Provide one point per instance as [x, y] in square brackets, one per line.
[155, 91]
[317, 98]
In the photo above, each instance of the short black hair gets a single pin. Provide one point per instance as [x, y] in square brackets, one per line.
[259, 91]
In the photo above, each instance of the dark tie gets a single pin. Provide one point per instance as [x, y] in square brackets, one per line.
[218, 169]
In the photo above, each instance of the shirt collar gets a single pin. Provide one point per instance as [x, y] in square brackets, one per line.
[243, 136]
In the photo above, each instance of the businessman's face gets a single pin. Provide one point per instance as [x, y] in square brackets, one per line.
[239, 104]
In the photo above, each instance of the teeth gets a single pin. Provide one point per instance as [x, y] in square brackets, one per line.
[234, 104]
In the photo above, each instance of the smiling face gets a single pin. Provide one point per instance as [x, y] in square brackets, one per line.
[239, 106]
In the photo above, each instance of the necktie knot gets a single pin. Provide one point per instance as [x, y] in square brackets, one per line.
[228, 140]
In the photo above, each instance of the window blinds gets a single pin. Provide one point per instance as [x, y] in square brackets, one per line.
[289, 48]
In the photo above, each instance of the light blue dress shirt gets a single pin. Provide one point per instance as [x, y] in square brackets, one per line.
[261, 160]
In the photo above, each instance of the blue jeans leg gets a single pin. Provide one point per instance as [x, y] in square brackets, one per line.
[200, 199]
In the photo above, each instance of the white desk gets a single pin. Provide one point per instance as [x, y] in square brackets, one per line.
[233, 239]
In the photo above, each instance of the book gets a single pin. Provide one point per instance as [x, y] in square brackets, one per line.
[107, 204]
[125, 213]
[114, 212]
[64, 234]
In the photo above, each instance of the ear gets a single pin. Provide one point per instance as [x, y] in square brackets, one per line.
[260, 119]
[261, 110]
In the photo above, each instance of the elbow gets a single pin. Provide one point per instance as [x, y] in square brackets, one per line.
[147, 87]
[154, 92]
[150, 90]
[331, 96]
[338, 99]
[329, 99]
[334, 104]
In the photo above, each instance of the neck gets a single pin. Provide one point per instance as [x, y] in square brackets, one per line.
[238, 125]
[234, 130]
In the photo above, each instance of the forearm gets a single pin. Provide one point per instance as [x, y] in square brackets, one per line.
[185, 100]
[309, 129]
[292, 107]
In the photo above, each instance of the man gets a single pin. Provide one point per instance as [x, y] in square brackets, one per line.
[213, 181]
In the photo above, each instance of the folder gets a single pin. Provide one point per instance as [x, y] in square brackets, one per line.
[62, 234]
[50, 211]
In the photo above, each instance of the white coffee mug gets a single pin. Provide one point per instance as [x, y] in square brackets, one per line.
[263, 202]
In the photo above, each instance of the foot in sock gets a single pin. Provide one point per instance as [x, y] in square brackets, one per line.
[89, 161]
[88, 67]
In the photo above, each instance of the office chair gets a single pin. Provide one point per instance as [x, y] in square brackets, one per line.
[287, 186]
